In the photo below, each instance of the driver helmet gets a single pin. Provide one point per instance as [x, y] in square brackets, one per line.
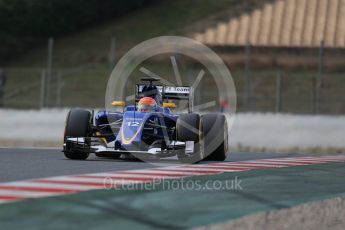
[147, 104]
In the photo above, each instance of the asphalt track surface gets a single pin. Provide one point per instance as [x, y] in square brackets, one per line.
[183, 206]
[30, 163]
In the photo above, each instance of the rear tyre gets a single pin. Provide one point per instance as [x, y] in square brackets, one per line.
[78, 124]
[188, 128]
[215, 131]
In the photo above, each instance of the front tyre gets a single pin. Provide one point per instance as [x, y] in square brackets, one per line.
[188, 129]
[215, 131]
[78, 124]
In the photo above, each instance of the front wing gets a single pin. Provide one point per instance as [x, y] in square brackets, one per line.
[95, 145]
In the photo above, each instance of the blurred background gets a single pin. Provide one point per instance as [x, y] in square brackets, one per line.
[285, 56]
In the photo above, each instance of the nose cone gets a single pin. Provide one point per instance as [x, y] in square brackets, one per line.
[132, 127]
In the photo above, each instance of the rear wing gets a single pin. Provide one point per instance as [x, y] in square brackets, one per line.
[170, 93]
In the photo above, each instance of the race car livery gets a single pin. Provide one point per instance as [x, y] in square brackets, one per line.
[155, 133]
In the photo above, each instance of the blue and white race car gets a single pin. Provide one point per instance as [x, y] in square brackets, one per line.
[148, 129]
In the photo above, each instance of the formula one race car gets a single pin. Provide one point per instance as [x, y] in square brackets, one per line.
[148, 129]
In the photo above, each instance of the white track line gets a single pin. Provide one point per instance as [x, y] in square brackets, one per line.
[240, 166]
[3, 201]
[269, 163]
[320, 157]
[201, 170]
[243, 164]
[163, 171]
[100, 181]
[232, 168]
[309, 158]
[289, 161]
[300, 161]
[45, 185]
[25, 194]
[125, 176]
[225, 168]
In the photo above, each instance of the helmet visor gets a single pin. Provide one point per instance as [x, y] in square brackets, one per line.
[145, 108]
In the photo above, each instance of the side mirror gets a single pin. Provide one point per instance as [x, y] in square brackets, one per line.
[118, 103]
[169, 105]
